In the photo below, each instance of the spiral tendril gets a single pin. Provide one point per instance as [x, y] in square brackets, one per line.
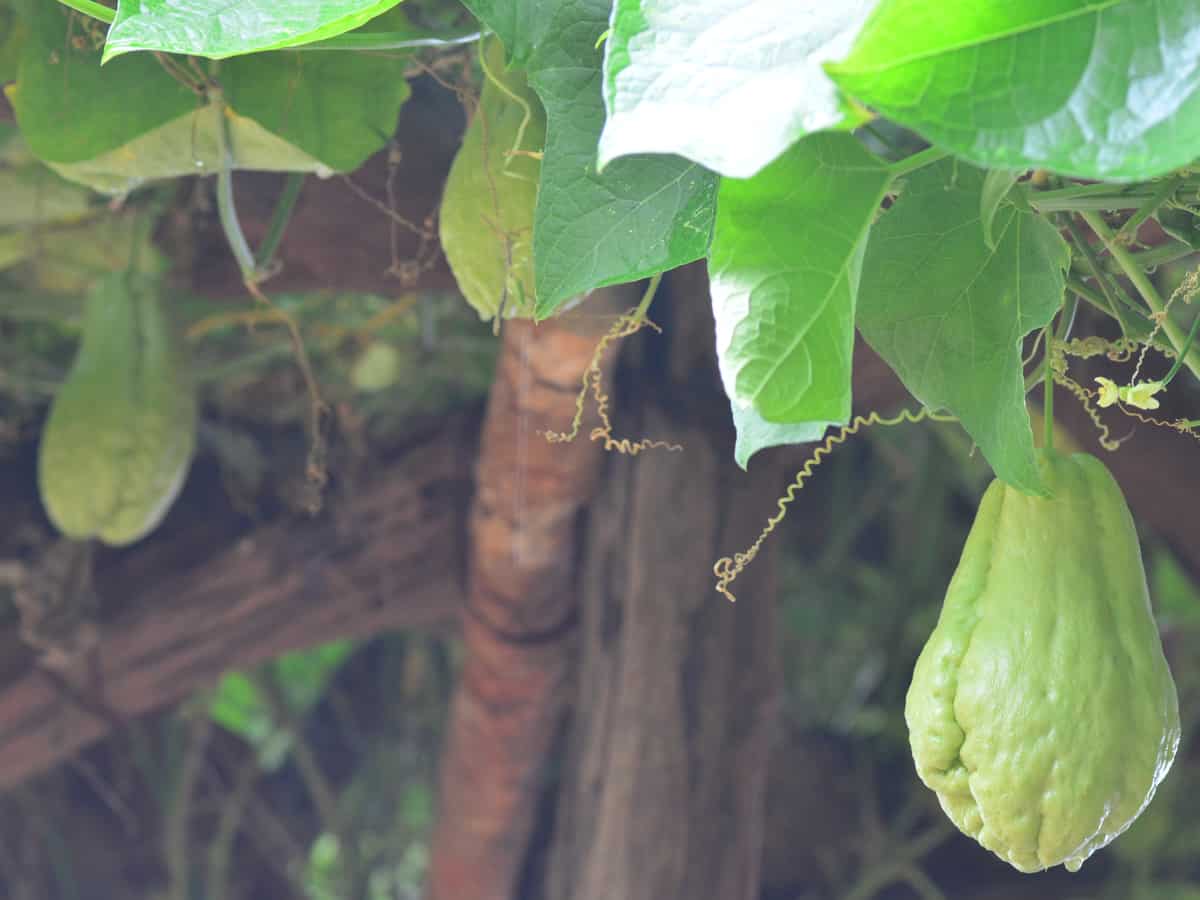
[727, 568]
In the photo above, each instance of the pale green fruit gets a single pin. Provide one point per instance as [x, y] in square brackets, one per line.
[486, 217]
[122, 428]
[1041, 710]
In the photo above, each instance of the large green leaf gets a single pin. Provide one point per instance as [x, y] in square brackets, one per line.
[70, 109]
[320, 112]
[727, 83]
[34, 196]
[219, 28]
[190, 145]
[519, 24]
[1105, 89]
[948, 312]
[642, 215]
[784, 268]
[12, 36]
[338, 108]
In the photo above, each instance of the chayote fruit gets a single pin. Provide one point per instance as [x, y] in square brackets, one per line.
[486, 217]
[1042, 711]
[122, 428]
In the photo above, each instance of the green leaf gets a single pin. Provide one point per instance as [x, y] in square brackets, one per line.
[1176, 595]
[34, 196]
[218, 28]
[304, 674]
[1107, 89]
[996, 185]
[189, 145]
[948, 314]
[784, 270]
[239, 705]
[755, 433]
[486, 218]
[642, 215]
[320, 112]
[520, 24]
[68, 108]
[729, 84]
[12, 36]
[338, 108]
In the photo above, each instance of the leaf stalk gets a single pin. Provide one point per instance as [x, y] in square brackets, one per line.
[1143, 285]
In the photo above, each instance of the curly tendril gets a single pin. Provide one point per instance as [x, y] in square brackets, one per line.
[730, 567]
[627, 324]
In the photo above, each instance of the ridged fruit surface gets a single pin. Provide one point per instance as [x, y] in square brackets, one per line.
[1042, 711]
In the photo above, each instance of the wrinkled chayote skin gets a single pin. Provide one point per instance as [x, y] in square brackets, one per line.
[486, 217]
[1041, 710]
[122, 428]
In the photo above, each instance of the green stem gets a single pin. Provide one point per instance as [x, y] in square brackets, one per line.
[1084, 197]
[91, 8]
[279, 219]
[1138, 331]
[1161, 195]
[1048, 401]
[1112, 291]
[1186, 347]
[226, 210]
[1077, 287]
[926, 157]
[390, 40]
[1162, 254]
[647, 298]
[1065, 321]
[1144, 287]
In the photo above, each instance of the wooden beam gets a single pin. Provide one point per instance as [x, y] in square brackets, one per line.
[389, 555]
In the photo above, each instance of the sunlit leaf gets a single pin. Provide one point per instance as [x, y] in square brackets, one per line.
[784, 268]
[218, 28]
[730, 84]
[1107, 89]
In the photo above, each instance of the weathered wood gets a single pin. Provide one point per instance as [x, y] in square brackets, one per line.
[664, 790]
[520, 620]
[388, 556]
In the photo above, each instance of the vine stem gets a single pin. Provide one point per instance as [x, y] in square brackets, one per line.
[91, 8]
[644, 305]
[279, 220]
[919, 160]
[1144, 287]
[1048, 403]
[390, 40]
[1084, 197]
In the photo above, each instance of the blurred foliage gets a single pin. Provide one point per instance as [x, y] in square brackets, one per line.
[246, 704]
[860, 600]
[312, 775]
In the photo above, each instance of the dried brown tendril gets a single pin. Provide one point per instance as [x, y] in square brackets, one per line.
[627, 324]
